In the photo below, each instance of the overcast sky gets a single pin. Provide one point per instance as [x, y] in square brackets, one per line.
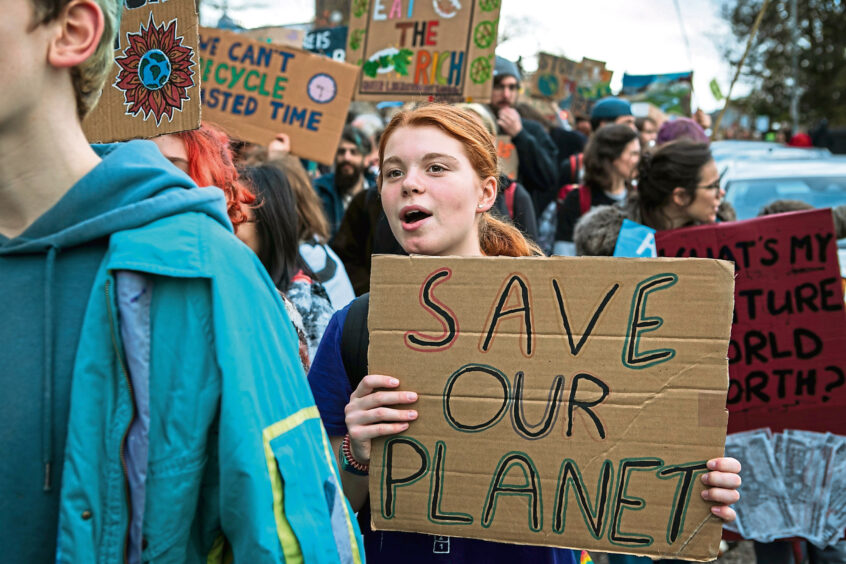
[638, 37]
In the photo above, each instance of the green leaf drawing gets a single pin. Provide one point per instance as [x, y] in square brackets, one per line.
[359, 8]
[356, 38]
[370, 68]
[401, 61]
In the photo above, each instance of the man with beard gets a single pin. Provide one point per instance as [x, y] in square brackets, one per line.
[536, 169]
[337, 189]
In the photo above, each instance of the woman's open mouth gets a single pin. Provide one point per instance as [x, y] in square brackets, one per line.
[413, 217]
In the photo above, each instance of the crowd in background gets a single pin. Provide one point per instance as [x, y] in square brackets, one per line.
[176, 395]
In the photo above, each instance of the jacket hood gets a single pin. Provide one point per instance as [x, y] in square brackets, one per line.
[132, 186]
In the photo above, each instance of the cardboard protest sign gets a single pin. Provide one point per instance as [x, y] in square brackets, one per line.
[255, 90]
[153, 86]
[567, 402]
[575, 83]
[507, 156]
[787, 355]
[426, 50]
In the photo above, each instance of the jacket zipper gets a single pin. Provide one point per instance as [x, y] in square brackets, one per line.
[128, 380]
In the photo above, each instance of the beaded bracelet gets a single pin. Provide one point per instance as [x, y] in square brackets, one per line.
[348, 461]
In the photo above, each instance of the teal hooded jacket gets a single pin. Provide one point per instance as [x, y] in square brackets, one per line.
[189, 431]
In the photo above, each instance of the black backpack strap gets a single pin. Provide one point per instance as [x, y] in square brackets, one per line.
[355, 340]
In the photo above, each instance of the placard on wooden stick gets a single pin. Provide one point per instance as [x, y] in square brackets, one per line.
[562, 402]
[153, 86]
[255, 90]
[423, 50]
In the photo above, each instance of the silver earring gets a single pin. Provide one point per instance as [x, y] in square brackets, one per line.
[479, 206]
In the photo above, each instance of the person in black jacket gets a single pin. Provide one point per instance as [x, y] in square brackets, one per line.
[364, 231]
[537, 169]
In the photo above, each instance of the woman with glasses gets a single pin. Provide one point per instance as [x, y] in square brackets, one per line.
[678, 185]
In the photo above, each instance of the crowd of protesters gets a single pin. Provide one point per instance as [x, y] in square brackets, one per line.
[175, 311]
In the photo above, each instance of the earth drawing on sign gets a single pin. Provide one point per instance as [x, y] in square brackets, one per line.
[156, 71]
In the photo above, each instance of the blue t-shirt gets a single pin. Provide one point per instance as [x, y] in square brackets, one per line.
[331, 388]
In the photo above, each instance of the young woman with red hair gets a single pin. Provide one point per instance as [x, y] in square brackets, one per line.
[438, 181]
[205, 156]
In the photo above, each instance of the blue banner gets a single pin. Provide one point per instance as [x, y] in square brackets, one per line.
[635, 241]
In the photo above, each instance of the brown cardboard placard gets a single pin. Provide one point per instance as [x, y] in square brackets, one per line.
[255, 90]
[153, 86]
[507, 156]
[156, 40]
[567, 402]
[423, 51]
[559, 78]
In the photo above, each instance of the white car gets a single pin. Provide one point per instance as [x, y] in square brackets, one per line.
[751, 185]
[732, 151]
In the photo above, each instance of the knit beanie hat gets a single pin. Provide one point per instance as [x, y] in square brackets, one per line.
[611, 107]
[504, 68]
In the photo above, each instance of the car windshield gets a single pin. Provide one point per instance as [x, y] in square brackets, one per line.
[749, 196]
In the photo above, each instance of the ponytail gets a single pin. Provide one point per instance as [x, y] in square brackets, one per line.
[499, 238]
[677, 164]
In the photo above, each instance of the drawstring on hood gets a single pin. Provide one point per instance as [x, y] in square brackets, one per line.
[47, 373]
[133, 186]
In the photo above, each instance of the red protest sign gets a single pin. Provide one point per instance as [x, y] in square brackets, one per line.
[787, 354]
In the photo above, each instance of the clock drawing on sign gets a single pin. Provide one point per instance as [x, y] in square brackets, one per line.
[322, 88]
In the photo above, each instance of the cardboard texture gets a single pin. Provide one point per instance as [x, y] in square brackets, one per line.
[578, 84]
[153, 86]
[567, 402]
[507, 156]
[788, 344]
[440, 50]
[255, 90]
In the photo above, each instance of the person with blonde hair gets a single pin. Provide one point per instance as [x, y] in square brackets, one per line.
[154, 407]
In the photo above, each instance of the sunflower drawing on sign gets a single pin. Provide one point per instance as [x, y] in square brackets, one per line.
[156, 71]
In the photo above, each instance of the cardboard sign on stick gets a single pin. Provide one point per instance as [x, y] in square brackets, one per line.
[426, 50]
[255, 90]
[787, 357]
[153, 86]
[563, 402]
